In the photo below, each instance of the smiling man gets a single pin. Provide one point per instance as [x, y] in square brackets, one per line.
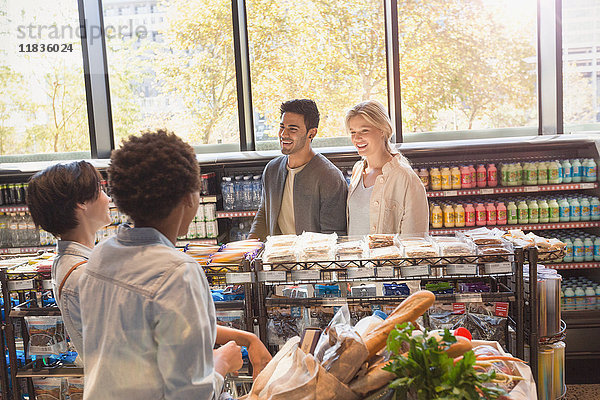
[302, 190]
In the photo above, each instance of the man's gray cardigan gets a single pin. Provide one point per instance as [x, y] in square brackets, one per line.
[320, 192]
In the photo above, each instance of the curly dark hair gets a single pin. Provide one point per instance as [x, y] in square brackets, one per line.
[151, 173]
[305, 107]
[53, 194]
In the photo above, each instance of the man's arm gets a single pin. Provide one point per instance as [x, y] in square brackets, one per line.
[257, 352]
[332, 211]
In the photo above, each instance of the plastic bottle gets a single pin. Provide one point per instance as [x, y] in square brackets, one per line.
[446, 183]
[588, 249]
[567, 171]
[470, 215]
[544, 213]
[553, 172]
[512, 214]
[459, 216]
[256, 191]
[577, 170]
[597, 249]
[569, 299]
[585, 209]
[534, 212]
[448, 216]
[247, 196]
[480, 215]
[590, 298]
[530, 174]
[492, 175]
[579, 298]
[578, 251]
[455, 178]
[575, 209]
[491, 216]
[564, 209]
[568, 250]
[473, 175]
[437, 217]
[523, 212]
[435, 178]
[542, 173]
[481, 176]
[553, 211]
[465, 177]
[591, 171]
[511, 175]
[561, 171]
[519, 173]
[424, 175]
[501, 215]
[595, 209]
[238, 185]
[504, 174]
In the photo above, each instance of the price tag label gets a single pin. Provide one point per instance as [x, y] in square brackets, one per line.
[532, 189]
[469, 298]
[385, 272]
[308, 274]
[498, 268]
[461, 269]
[587, 185]
[14, 250]
[451, 193]
[47, 284]
[235, 278]
[25, 284]
[415, 270]
[364, 272]
[486, 191]
[271, 276]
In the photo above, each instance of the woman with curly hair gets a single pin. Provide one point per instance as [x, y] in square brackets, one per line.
[67, 200]
[149, 322]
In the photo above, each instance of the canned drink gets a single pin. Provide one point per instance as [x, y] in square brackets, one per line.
[200, 229]
[210, 211]
[200, 212]
[211, 229]
[545, 372]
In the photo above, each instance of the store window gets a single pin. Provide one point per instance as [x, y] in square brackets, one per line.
[468, 68]
[581, 74]
[42, 95]
[327, 50]
[184, 82]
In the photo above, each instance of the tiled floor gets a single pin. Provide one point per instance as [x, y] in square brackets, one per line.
[583, 392]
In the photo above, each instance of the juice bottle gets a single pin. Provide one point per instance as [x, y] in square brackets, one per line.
[481, 175]
[564, 210]
[577, 170]
[504, 174]
[567, 171]
[480, 215]
[491, 214]
[553, 211]
[519, 171]
[492, 175]
[511, 175]
[575, 209]
[542, 173]
[530, 171]
[455, 178]
[512, 214]
[448, 216]
[465, 177]
[534, 212]
[553, 176]
[588, 249]
[568, 250]
[595, 209]
[597, 249]
[459, 216]
[501, 214]
[591, 171]
[473, 176]
[436, 179]
[544, 214]
[578, 251]
[523, 210]
[469, 215]
[437, 218]
[585, 209]
[561, 171]
[446, 184]
[424, 175]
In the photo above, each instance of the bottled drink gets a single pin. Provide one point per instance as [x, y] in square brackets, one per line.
[512, 175]
[492, 176]
[519, 173]
[257, 191]
[542, 173]
[512, 214]
[575, 209]
[436, 179]
[490, 214]
[588, 249]
[530, 171]
[564, 210]
[504, 174]
[553, 174]
[523, 210]
[448, 216]
[238, 185]
[591, 171]
[473, 176]
[595, 209]
[228, 192]
[534, 212]
[437, 218]
[597, 249]
[578, 251]
[455, 178]
[470, 215]
[459, 216]
[480, 215]
[544, 214]
[567, 171]
[561, 171]
[465, 177]
[424, 175]
[585, 209]
[568, 250]
[577, 170]
[446, 183]
[247, 196]
[501, 214]
[553, 211]
[481, 176]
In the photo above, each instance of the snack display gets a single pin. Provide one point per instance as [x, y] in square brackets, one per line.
[353, 250]
[451, 246]
[280, 249]
[388, 252]
[316, 246]
[376, 240]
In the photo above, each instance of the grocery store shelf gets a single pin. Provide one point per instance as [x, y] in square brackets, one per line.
[574, 265]
[48, 372]
[15, 208]
[512, 189]
[182, 243]
[25, 250]
[208, 199]
[526, 227]
[235, 214]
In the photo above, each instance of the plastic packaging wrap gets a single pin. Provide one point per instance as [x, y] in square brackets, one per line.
[280, 249]
[46, 335]
[451, 246]
[376, 240]
[418, 246]
[48, 388]
[283, 324]
[75, 388]
[316, 246]
[354, 250]
[382, 253]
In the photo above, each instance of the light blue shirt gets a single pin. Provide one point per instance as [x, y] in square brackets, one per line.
[358, 210]
[149, 322]
[67, 255]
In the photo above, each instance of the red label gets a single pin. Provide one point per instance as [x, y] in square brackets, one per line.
[458, 308]
[501, 309]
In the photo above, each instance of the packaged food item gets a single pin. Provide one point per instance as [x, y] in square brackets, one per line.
[46, 335]
[280, 249]
[316, 246]
[48, 388]
[389, 252]
[353, 250]
[453, 246]
[376, 240]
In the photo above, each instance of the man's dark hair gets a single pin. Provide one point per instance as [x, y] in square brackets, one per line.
[53, 194]
[305, 107]
[151, 173]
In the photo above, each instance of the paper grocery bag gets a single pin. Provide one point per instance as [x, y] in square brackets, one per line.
[295, 375]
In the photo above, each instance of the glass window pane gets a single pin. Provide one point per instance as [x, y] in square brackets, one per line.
[330, 51]
[43, 105]
[171, 66]
[581, 65]
[468, 68]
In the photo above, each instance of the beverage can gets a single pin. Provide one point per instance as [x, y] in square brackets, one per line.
[210, 211]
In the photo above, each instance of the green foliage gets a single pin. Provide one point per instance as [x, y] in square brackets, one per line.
[428, 372]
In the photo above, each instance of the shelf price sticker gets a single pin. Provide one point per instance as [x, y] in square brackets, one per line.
[25, 284]
[486, 191]
[498, 268]
[451, 193]
[414, 270]
[47, 284]
[532, 189]
[385, 272]
[235, 278]
[358, 273]
[461, 269]
[306, 275]
[587, 185]
[272, 276]
[469, 298]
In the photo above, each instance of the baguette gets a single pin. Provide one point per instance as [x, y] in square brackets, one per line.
[410, 309]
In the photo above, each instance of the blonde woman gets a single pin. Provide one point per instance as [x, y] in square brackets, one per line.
[385, 194]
